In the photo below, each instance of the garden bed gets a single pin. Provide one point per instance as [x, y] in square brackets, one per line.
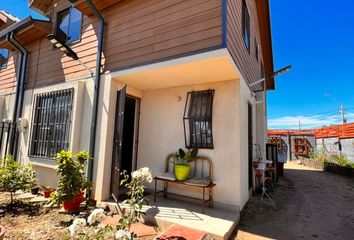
[334, 168]
[24, 221]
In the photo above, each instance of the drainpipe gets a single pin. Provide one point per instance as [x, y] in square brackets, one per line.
[21, 75]
[96, 88]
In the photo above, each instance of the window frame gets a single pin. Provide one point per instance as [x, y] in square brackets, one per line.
[246, 26]
[64, 118]
[256, 49]
[4, 66]
[57, 25]
[206, 120]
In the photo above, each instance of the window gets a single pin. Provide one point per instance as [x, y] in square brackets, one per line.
[256, 49]
[69, 25]
[51, 123]
[4, 56]
[246, 25]
[198, 119]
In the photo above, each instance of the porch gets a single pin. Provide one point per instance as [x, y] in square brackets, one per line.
[217, 221]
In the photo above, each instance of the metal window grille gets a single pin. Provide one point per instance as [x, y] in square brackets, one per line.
[197, 120]
[51, 123]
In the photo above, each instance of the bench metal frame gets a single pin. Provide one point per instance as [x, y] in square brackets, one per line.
[209, 188]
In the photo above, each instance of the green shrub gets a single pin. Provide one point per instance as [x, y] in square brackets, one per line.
[14, 176]
[71, 170]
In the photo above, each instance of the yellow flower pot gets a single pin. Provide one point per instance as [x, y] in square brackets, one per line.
[181, 172]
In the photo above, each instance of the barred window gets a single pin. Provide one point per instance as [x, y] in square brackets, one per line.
[51, 123]
[198, 119]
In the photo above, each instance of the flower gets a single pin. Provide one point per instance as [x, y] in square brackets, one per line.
[97, 215]
[123, 234]
[77, 226]
[143, 173]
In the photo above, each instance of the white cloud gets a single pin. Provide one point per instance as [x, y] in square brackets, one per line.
[292, 122]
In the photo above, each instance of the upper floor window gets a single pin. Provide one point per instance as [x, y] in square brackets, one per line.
[246, 27]
[51, 123]
[256, 49]
[198, 119]
[4, 56]
[69, 25]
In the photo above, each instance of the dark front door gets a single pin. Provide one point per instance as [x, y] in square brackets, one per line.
[124, 144]
[250, 147]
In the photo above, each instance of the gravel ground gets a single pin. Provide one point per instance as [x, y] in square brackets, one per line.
[307, 204]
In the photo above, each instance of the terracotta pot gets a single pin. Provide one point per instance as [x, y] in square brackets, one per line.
[74, 204]
[47, 192]
[2, 232]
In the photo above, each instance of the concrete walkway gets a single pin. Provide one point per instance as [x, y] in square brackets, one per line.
[308, 204]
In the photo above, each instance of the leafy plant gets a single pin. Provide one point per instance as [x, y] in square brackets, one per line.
[71, 170]
[14, 176]
[184, 157]
[322, 155]
[136, 190]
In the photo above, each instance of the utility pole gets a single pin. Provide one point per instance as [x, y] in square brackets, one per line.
[299, 124]
[342, 114]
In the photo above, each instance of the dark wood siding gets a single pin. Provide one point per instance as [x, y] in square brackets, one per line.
[142, 31]
[8, 74]
[137, 32]
[246, 61]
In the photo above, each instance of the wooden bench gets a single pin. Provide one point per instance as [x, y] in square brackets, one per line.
[197, 179]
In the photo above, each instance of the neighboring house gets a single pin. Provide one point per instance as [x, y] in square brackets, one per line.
[293, 144]
[336, 139]
[158, 58]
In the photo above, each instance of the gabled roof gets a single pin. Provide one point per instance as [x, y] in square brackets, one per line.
[26, 30]
[7, 19]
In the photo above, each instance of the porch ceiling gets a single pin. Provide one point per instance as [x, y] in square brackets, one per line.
[165, 75]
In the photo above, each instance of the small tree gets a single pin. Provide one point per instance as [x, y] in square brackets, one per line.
[14, 176]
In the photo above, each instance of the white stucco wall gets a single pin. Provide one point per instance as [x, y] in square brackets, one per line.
[245, 98]
[79, 131]
[161, 133]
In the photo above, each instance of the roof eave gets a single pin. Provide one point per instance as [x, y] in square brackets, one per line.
[263, 12]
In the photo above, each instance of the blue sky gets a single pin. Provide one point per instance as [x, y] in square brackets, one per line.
[19, 8]
[317, 39]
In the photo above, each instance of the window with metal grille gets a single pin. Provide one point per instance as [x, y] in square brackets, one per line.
[51, 123]
[198, 119]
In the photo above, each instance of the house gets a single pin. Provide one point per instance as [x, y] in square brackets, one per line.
[293, 144]
[146, 60]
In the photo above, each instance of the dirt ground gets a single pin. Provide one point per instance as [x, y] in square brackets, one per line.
[307, 204]
[23, 221]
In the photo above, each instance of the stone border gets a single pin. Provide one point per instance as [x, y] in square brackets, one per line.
[313, 163]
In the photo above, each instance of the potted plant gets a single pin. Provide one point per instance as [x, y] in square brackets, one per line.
[181, 163]
[72, 181]
[34, 189]
[47, 191]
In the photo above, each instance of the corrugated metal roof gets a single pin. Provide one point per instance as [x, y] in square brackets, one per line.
[291, 132]
[337, 131]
